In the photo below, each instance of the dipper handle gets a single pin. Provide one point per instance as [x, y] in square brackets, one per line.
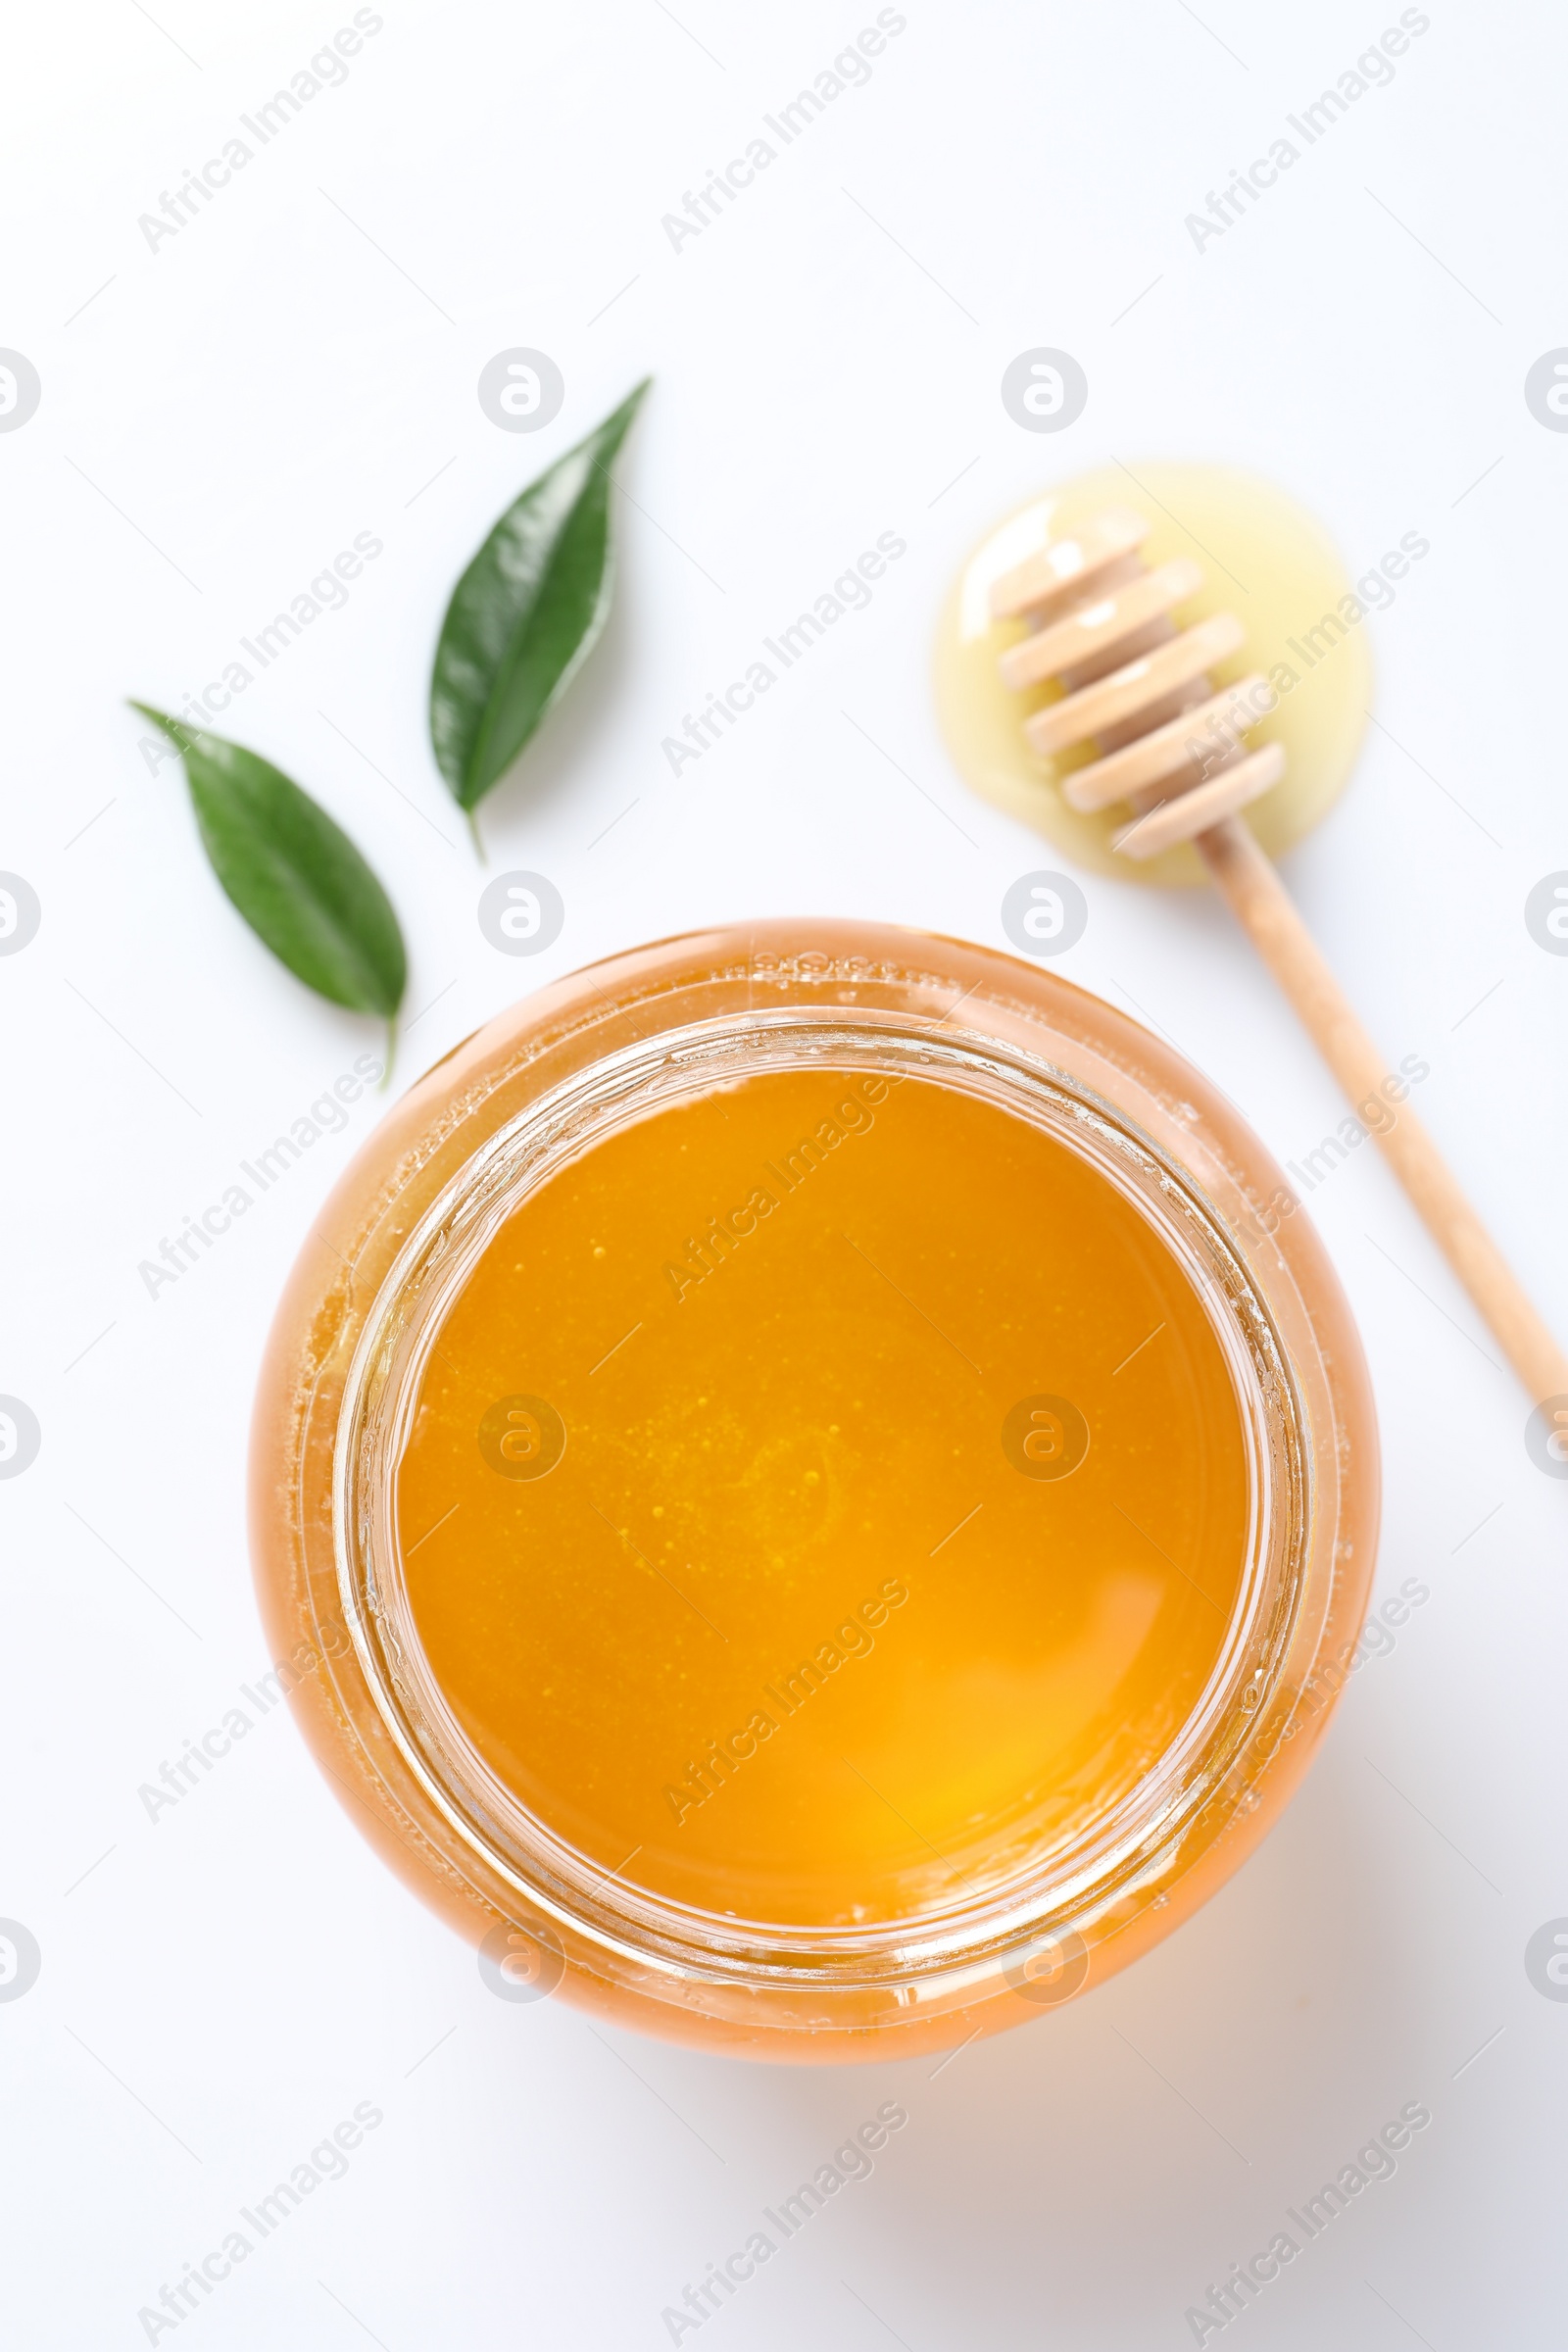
[1268, 915]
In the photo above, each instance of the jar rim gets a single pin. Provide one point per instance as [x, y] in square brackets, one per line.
[1125, 1850]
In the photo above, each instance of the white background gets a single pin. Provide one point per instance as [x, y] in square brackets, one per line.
[299, 364]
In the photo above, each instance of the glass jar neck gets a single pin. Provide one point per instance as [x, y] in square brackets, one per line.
[1073, 1886]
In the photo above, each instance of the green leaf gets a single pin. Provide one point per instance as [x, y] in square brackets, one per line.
[294, 876]
[525, 614]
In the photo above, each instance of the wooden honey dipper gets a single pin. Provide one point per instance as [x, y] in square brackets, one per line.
[1170, 744]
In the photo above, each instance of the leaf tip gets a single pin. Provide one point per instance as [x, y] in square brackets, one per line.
[180, 735]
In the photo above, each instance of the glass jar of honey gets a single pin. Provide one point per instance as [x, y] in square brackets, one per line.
[824, 1485]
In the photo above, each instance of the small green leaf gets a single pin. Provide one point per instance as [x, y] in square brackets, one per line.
[294, 876]
[525, 614]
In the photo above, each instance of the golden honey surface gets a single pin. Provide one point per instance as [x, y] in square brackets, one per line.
[825, 1495]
